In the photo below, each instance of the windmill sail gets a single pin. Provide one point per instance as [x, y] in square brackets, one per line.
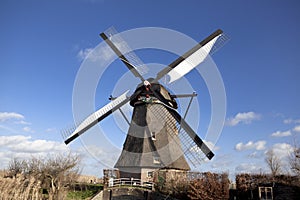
[194, 57]
[193, 147]
[98, 116]
[124, 52]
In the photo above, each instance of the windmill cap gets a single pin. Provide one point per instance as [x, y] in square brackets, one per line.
[146, 83]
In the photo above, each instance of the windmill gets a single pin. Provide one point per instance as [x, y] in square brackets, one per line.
[158, 136]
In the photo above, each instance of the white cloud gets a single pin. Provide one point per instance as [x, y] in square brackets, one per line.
[281, 133]
[291, 121]
[222, 161]
[282, 150]
[256, 155]
[83, 53]
[287, 121]
[10, 115]
[8, 129]
[24, 147]
[297, 129]
[50, 130]
[38, 146]
[246, 118]
[22, 122]
[106, 157]
[248, 168]
[25, 144]
[259, 145]
[100, 53]
[211, 145]
[28, 129]
[11, 140]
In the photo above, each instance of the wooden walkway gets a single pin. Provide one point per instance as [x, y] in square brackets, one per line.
[99, 196]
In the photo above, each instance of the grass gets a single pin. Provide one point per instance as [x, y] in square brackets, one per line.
[80, 194]
[84, 191]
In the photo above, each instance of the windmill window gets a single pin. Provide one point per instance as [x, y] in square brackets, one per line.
[153, 136]
[150, 174]
[156, 160]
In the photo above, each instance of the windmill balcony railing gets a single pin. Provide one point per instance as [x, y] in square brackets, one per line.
[130, 182]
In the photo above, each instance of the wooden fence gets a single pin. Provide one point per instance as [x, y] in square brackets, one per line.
[131, 182]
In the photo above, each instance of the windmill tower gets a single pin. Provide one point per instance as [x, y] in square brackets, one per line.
[158, 137]
[152, 142]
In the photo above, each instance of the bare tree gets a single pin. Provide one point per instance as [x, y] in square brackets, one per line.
[294, 159]
[209, 186]
[273, 162]
[54, 173]
[15, 167]
[60, 171]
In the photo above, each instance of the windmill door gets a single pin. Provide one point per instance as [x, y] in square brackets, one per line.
[265, 193]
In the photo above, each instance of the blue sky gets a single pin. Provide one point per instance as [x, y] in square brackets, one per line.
[40, 45]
